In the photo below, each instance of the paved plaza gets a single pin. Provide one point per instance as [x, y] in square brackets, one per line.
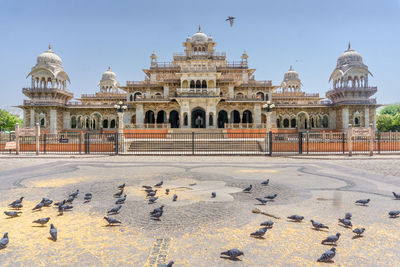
[196, 228]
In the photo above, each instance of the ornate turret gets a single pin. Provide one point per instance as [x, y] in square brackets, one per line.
[108, 82]
[291, 81]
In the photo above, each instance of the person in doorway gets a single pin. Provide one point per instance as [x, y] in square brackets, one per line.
[198, 122]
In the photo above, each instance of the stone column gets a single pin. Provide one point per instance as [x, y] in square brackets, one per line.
[53, 121]
[257, 114]
[345, 118]
[32, 118]
[67, 120]
[332, 119]
[25, 119]
[166, 91]
[366, 117]
[230, 91]
[189, 120]
[120, 122]
[139, 114]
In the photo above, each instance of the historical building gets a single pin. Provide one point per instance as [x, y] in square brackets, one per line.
[200, 89]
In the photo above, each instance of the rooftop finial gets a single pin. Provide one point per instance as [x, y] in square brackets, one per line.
[199, 28]
[49, 46]
[349, 47]
[291, 67]
[109, 68]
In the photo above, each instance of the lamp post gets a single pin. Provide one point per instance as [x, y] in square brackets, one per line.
[120, 107]
[268, 108]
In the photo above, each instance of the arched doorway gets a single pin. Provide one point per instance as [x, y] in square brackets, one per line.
[235, 116]
[198, 118]
[161, 117]
[247, 117]
[303, 120]
[222, 118]
[174, 119]
[149, 117]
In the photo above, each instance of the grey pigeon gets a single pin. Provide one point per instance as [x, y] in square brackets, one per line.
[152, 194]
[39, 206]
[149, 190]
[363, 201]
[296, 218]
[331, 239]
[268, 224]
[271, 197]
[42, 221]
[348, 216]
[359, 231]
[157, 210]
[63, 208]
[74, 194]
[248, 189]
[175, 197]
[166, 191]
[70, 200]
[260, 232]
[193, 184]
[394, 213]
[114, 210]
[159, 184]
[146, 186]
[112, 221]
[119, 194]
[60, 203]
[262, 201]
[88, 197]
[318, 225]
[266, 182]
[346, 222]
[328, 255]
[4, 241]
[47, 201]
[157, 215]
[53, 232]
[16, 206]
[18, 201]
[213, 194]
[12, 214]
[122, 186]
[396, 196]
[153, 200]
[121, 200]
[166, 265]
[232, 253]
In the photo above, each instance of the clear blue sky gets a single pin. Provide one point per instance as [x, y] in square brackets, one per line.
[90, 35]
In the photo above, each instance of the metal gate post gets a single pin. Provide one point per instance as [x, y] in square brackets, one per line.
[300, 143]
[44, 143]
[270, 143]
[343, 141]
[192, 143]
[379, 142]
[116, 143]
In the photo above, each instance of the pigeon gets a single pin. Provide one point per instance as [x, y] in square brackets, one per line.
[122, 186]
[266, 182]
[42, 221]
[193, 184]
[346, 222]
[64, 207]
[159, 184]
[166, 265]
[359, 231]
[271, 197]
[318, 225]
[121, 200]
[331, 239]
[74, 194]
[328, 255]
[111, 221]
[396, 196]
[70, 200]
[296, 218]
[363, 201]
[114, 210]
[149, 190]
[348, 216]
[47, 201]
[39, 206]
[119, 194]
[157, 210]
[232, 253]
[146, 186]
[12, 214]
[231, 20]
[175, 197]
[167, 191]
[248, 189]
[157, 215]
[60, 203]
[259, 233]
[152, 200]
[53, 232]
[268, 224]
[262, 201]
[16, 206]
[152, 194]
[394, 213]
[4, 241]
[18, 201]
[88, 197]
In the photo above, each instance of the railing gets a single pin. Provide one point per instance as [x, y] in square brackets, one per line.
[198, 91]
[261, 83]
[148, 126]
[44, 101]
[245, 98]
[151, 98]
[198, 69]
[104, 95]
[163, 65]
[140, 83]
[245, 125]
[46, 90]
[236, 65]
[199, 53]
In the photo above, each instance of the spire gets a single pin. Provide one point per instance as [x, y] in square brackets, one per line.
[291, 67]
[199, 28]
[49, 46]
[349, 46]
[109, 68]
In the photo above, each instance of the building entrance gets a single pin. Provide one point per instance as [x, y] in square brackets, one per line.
[198, 118]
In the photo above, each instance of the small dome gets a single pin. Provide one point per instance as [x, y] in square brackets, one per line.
[291, 75]
[108, 75]
[49, 57]
[199, 37]
[350, 57]
[210, 39]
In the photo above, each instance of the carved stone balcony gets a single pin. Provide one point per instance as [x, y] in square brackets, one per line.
[198, 92]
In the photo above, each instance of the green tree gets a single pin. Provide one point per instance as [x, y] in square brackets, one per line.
[389, 118]
[384, 122]
[391, 110]
[8, 120]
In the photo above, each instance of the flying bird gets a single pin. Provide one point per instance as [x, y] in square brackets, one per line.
[231, 20]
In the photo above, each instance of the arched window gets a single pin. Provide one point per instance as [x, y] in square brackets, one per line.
[235, 116]
[105, 124]
[137, 95]
[247, 117]
[192, 84]
[73, 122]
[286, 123]
[185, 84]
[112, 124]
[260, 96]
[239, 95]
[198, 84]
[203, 84]
[357, 121]
[161, 117]
[325, 121]
[293, 123]
[149, 117]
[312, 122]
[42, 122]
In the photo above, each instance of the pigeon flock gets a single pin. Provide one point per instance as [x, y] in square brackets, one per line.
[156, 214]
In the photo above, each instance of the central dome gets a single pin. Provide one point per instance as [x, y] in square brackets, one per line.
[291, 75]
[49, 57]
[109, 75]
[199, 37]
[349, 56]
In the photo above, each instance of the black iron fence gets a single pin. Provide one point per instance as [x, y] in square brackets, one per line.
[193, 143]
